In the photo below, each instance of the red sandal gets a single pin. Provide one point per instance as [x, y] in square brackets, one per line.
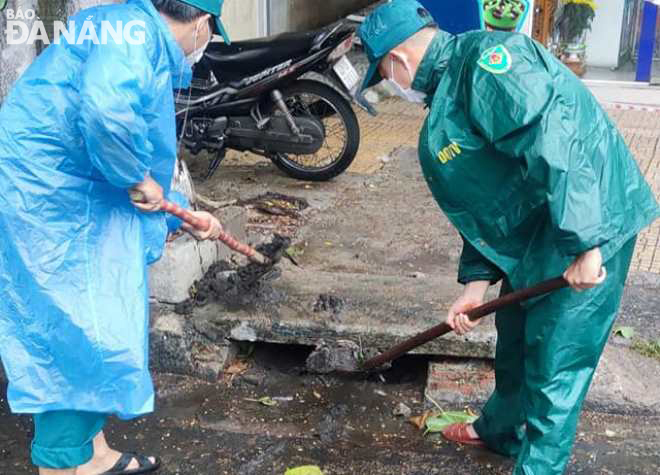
[459, 433]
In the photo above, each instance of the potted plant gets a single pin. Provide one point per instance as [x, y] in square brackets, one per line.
[504, 15]
[573, 22]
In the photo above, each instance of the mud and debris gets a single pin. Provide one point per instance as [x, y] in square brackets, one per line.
[277, 204]
[238, 286]
[273, 212]
[332, 427]
[340, 356]
[329, 303]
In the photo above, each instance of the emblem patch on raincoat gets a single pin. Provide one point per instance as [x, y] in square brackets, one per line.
[496, 60]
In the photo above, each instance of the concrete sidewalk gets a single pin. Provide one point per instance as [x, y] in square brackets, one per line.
[398, 124]
[375, 241]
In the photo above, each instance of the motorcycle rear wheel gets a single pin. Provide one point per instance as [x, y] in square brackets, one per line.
[306, 98]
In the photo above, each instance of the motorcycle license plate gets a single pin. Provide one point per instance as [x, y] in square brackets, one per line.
[347, 73]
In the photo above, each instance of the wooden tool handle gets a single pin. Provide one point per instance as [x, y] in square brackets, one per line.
[204, 225]
[474, 314]
[186, 216]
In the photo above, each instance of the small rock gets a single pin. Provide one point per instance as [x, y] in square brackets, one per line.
[339, 355]
[372, 97]
[253, 378]
[402, 410]
[610, 433]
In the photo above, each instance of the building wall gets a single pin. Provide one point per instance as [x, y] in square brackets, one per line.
[14, 59]
[244, 19]
[300, 15]
[604, 40]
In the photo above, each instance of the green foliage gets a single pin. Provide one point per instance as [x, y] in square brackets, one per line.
[503, 13]
[573, 20]
[508, 8]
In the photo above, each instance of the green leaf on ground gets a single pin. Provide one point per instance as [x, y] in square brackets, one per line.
[306, 470]
[446, 418]
[296, 250]
[625, 332]
[650, 349]
[265, 401]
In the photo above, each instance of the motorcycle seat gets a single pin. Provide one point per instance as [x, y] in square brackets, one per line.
[243, 58]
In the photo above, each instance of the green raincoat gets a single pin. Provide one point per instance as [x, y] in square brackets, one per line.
[532, 172]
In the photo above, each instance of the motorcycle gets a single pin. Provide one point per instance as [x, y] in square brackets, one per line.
[252, 96]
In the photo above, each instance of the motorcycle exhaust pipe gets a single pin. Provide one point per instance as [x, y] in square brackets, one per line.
[277, 97]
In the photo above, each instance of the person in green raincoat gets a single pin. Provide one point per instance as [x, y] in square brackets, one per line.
[538, 181]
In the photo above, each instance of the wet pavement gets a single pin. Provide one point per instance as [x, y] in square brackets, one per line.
[344, 425]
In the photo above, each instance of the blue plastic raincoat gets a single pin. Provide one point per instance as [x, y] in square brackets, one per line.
[85, 123]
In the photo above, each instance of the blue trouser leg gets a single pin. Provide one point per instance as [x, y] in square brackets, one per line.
[63, 439]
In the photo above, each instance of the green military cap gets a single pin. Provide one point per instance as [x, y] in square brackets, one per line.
[214, 7]
[386, 28]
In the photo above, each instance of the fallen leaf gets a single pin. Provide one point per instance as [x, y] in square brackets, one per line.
[296, 250]
[306, 470]
[445, 419]
[420, 421]
[239, 367]
[625, 332]
[265, 401]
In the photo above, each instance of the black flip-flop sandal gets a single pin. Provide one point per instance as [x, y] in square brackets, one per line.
[145, 465]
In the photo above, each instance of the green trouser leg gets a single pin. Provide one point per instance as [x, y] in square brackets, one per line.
[563, 337]
[63, 439]
[500, 424]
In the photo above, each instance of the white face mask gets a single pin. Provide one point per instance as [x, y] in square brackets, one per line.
[197, 55]
[408, 94]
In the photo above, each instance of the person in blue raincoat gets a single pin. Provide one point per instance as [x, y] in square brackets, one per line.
[535, 177]
[88, 122]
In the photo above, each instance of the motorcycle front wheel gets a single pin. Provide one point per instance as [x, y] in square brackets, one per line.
[314, 99]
